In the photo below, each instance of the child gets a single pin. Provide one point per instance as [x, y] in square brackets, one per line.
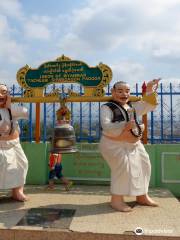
[55, 171]
[121, 147]
[13, 162]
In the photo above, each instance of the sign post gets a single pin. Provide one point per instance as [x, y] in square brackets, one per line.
[38, 125]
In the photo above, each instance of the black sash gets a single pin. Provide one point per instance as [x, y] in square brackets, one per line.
[121, 114]
[10, 117]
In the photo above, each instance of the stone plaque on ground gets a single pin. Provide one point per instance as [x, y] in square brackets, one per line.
[48, 218]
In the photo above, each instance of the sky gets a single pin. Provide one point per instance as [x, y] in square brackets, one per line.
[138, 39]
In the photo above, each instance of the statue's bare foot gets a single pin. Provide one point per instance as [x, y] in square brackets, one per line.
[121, 206]
[146, 200]
[19, 196]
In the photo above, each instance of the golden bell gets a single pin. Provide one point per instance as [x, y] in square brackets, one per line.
[64, 139]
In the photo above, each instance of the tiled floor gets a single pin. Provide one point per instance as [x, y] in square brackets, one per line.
[93, 215]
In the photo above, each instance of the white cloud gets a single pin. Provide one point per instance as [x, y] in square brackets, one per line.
[10, 49]
[37, 28]
[4, 28]
[6, 77]
[11, 8]
[155, 8]
[134, 37]
[13, 44]
[130, 72]
[159, 45]
[92, 32]
[149, 27]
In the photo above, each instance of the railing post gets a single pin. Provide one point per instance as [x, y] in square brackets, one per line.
[171, 111]
[162, 114]
[80, 118]
[45, 122]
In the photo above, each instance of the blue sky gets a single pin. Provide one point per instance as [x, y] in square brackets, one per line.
[138, 39]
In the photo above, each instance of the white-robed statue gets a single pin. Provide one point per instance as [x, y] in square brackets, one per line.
[13, 162]
[121, 147]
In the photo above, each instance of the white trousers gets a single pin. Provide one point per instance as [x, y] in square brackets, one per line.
[13, 164]
[130, 166]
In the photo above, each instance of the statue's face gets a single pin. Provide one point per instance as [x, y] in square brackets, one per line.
[121, 93]
[3, 95]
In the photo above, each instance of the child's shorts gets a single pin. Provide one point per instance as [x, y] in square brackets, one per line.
[56, 172]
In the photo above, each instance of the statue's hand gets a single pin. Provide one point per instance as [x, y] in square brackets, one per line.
[152, 85]
[126, 136]
[130, 125]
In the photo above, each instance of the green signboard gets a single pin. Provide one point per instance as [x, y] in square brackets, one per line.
[63, 71]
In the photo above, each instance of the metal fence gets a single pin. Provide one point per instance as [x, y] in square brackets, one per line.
[163, 123]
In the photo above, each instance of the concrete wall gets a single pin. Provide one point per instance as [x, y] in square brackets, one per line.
[87, 165]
